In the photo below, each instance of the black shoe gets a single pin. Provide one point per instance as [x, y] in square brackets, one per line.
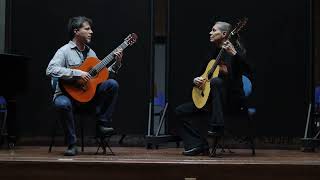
[71, 151]
[196, 151]
[102, 130]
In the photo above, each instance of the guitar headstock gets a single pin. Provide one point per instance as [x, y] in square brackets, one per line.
[131, 39]
[242, 22]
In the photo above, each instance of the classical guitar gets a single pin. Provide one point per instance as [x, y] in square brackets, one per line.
[82, 91]
[201, 95]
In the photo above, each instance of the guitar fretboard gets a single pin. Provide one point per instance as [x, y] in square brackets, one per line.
[105, 61]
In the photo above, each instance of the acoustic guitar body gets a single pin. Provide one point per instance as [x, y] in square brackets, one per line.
[200, 96]
[84, 91]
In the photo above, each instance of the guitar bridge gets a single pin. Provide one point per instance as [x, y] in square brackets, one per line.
[80, 84]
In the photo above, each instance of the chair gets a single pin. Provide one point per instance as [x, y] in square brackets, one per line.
[316, 114]
[160, 134]
[3, 120]
[54, 82]
[249, 113]
[317, 99]
[102, 141]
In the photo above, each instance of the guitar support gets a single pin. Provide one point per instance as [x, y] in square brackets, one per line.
[156, 139]
[310, 144]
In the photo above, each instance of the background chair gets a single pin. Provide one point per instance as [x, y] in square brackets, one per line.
[248, 112]
[3, 119]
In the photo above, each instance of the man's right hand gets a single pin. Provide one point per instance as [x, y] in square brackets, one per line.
[199, 82]
[85, 76]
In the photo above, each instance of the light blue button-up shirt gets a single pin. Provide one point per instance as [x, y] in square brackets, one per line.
[69, 56]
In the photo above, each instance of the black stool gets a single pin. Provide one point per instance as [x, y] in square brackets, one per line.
[218, 141]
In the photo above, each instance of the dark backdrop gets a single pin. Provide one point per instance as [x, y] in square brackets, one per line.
[39, 28]
[276, 39]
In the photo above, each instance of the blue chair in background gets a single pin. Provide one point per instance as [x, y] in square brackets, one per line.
[249, 113]
[3, 119]
[316, 114]
[317, 99]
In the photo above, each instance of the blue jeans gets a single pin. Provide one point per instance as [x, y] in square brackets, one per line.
[103, 102]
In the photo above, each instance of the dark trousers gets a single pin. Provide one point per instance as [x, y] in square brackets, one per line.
[187, 112]
[103, 102]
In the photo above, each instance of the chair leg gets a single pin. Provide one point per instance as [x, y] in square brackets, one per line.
[3, 132]
[99, 143]
[225, 146]
[53, 135]
[251, 131]
[121, 139]
[82, 136]
[107, 144]
[214, 146]
[253, 146]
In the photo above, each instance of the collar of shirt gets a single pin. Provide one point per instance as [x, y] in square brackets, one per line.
[73, 45]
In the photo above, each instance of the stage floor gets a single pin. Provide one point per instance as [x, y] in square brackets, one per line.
[139, 163]
[161, 155]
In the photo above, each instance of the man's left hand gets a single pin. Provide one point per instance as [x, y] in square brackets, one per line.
[118, 53]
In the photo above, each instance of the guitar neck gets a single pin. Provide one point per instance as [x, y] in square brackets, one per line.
[105, 61]
[216, 63]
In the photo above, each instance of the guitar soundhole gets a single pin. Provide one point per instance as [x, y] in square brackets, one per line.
[202, 94]
[80, 84]
[83, 87]
[93, 72]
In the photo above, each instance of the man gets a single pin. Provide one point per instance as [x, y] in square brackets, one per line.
[73, 54]
[225, 95]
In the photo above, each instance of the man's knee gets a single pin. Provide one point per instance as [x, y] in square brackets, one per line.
[63, 103]
[112, 84]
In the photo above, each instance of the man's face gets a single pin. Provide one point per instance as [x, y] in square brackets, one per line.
[84, 34]
[216, 35]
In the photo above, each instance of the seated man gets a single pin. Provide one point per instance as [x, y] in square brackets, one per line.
[73, 54]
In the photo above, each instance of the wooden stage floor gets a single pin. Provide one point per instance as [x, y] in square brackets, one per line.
[161, 155]
[162, 163]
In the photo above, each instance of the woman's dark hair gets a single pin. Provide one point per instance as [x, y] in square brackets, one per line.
[77, 23]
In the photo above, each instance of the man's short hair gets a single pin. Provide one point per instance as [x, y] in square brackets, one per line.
[224, 26]
[77, 23]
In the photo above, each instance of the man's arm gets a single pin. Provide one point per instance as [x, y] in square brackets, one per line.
[57, 67]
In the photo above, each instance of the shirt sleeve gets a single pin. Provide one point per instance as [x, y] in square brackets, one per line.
[57, 67]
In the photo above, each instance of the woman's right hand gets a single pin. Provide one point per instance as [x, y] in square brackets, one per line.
[199, 82]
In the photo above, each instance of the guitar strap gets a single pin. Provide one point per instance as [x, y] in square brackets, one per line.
[85, 53]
